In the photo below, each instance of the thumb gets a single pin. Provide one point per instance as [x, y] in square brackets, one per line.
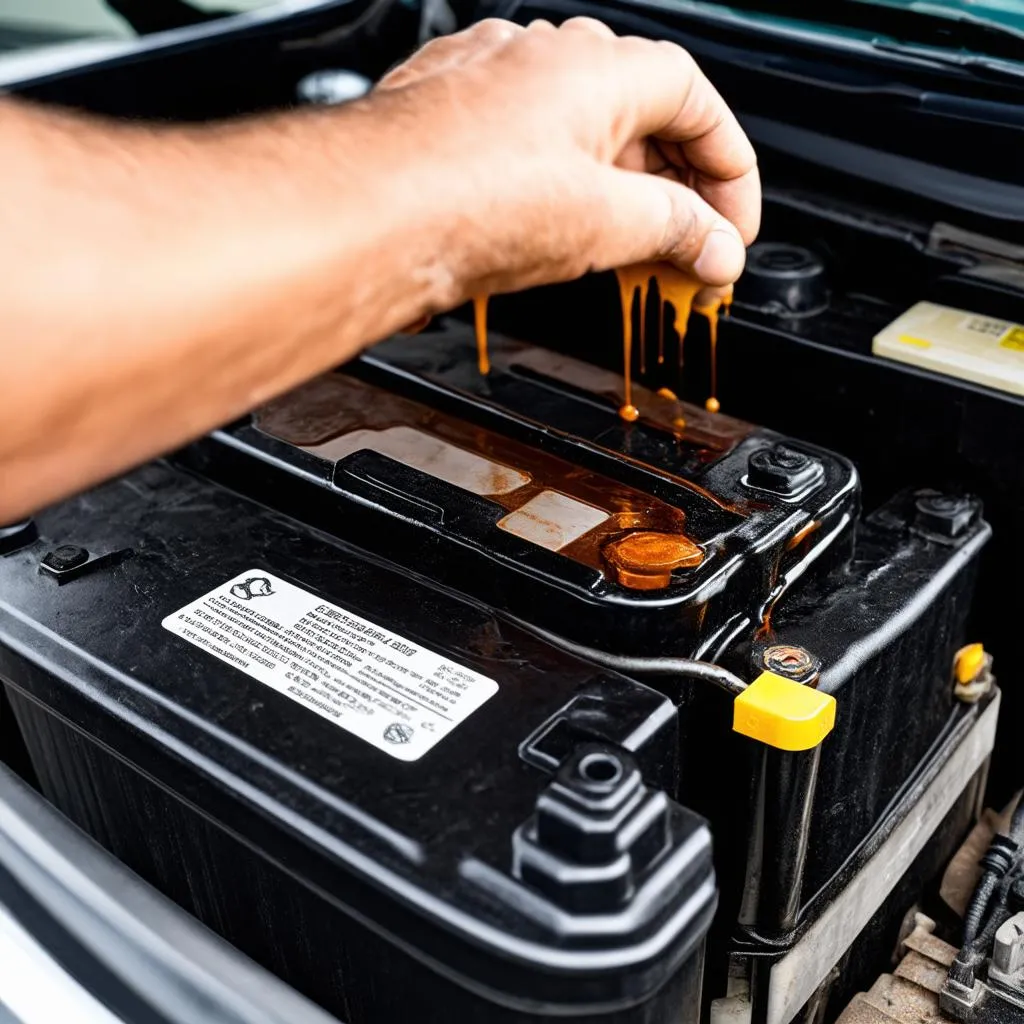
[654, 218]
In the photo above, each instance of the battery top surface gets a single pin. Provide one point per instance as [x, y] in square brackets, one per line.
[525, 489]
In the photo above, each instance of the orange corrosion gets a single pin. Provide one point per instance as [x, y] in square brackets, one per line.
[480, 325]
[645, 559]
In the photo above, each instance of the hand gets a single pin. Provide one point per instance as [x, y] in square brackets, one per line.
[561, 150]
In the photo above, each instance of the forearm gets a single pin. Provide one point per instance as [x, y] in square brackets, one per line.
[158, 282]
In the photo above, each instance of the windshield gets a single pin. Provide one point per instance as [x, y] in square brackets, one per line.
[30, 24]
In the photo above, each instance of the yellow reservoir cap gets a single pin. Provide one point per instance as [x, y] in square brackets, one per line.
[783, 714]
[968, 662]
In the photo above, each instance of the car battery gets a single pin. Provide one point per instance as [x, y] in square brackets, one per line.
[403, 804]
[639, 545]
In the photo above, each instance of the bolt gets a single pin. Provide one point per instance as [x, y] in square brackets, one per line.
[793, 662]
[65, 558]
[944, 514]
[782, 470]
[786, 458]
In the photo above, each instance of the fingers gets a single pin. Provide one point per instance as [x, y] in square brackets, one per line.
[665, 94]
[650, 217]
[712, 298]
[591, 25]
[448, 52]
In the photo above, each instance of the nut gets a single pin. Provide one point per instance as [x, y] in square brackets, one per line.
[65, 558]
[791, 661]
[782, 470]
[944, 514]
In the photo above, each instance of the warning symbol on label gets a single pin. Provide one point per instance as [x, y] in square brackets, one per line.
[398, 732]
[254, 586]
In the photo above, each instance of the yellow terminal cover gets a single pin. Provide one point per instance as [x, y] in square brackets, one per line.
[783, 714]
[968, 662]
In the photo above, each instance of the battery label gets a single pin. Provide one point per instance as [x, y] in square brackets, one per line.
[365, 678]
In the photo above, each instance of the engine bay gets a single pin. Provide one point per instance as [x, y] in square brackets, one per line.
[591, 653]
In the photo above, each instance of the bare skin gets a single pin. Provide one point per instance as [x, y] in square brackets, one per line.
[159, 281]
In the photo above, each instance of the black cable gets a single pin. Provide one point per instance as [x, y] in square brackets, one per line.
[972, 954]
[999, 861]
[688, 668]
[978, 906]
[998, 914]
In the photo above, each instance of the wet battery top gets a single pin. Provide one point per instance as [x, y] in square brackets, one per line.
[524, 488]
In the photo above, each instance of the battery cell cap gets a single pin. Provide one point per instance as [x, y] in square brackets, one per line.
[783, 714]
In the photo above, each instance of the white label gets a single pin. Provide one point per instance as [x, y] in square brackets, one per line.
[372, 682]
[429, 455]
[553, 520]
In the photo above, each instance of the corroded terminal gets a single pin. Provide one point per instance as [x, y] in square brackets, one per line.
[645, 560]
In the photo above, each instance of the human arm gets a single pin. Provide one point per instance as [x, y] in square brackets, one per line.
[158, 281]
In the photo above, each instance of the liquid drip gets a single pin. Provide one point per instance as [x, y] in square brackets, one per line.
[480, 324]
[644, 288]
[632, 281]
[710, 311]
[661, 330]
[674, 287]
[680, 291]
[669, 395]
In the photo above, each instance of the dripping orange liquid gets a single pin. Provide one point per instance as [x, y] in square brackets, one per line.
[675, 288]
[633, 281]
[643, 289]
[480, 325]
[710, 311]
[679, 290]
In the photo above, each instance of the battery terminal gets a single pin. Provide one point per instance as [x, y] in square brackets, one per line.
[646, 559]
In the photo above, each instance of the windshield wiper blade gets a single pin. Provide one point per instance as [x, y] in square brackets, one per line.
[970, 63]
[923, 23]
